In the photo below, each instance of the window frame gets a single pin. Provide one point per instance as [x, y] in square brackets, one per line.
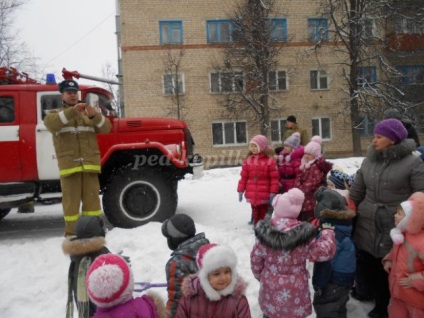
[280, 130]
[274, 30]
[181, 78]
[170, 24]
[405, 79]
[363, 81]
[277, 81]
[318, 78]
[319, 130]
[221, 78]
[314, 32]
[405, 26]
[219, 22]
[225, 124]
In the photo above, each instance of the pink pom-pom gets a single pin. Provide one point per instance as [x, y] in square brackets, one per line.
[296, 196]
[317, 139]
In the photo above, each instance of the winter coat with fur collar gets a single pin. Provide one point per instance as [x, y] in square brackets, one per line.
[385, 179]
[278, 261]
[195, 303]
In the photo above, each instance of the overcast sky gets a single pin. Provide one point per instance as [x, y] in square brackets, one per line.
[76, 34]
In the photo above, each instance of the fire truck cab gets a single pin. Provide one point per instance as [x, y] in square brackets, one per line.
[142, 158]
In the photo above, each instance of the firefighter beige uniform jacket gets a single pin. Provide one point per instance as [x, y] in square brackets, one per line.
[75, 141]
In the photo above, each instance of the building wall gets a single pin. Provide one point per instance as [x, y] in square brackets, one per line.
[144, 66]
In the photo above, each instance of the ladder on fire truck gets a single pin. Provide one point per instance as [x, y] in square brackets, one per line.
[10, 75]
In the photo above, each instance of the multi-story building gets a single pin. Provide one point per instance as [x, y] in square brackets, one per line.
[188, 37]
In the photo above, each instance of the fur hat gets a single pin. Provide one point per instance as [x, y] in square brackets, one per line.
[392, 129]
[289, 204]
[89, 226]
[328, 199]
[211, 257]
[293, 141]
[291, 119]
[396, 233]
[416, 221]
[261, 142]
[109, 281]
[338, 178]
[314, 147]
[178, 229]
[392, 113]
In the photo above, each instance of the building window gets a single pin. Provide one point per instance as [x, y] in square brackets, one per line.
[367, 76]
[171, 32]
[409, 26]
[322, 127]
[368, 28]
[229, 133]
[317, 30]
[367, 126]
[7, 110]
[219, 31]
[277, 81]
[278, 127]
[279, 30]
[319, 80]
[173, 83]
[226, 82]
[412, 74]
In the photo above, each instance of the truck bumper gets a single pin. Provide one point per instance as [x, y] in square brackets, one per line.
[14, 193]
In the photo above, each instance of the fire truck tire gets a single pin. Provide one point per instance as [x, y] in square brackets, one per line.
[4, 212]
[136, 197]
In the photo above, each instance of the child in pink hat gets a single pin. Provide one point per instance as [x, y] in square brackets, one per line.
[278, 259]
[259, 177]
[313, 173]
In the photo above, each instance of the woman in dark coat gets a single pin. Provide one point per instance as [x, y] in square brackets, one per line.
[389, 174]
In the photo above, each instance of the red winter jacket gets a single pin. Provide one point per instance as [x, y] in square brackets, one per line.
[288, 168]
[259, 178]
[310, 179]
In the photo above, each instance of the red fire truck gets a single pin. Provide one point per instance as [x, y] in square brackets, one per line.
[142, 158]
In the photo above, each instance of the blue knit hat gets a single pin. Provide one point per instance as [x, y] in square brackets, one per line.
[338, 178]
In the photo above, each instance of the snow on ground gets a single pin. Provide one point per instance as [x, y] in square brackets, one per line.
[34, 271]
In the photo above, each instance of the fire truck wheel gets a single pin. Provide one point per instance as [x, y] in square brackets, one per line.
[136, 197]
[4, 212]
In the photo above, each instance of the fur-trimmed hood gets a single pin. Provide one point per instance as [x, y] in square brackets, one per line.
[284, 234]
[392, 153]
[79, 247]
[337, 217]
[191, 286]
[160, 306]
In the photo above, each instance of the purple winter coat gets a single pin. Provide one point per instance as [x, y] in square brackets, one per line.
[146, 306]
[278, 261]
[195, 303]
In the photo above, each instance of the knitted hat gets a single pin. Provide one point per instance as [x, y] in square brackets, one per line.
[88, 227]
[328, 199]
[351, 179]
[109, 281]
[293, 141]
[211, 257]
[416, 221]
[392, 129]
[338, 178]
[396, 233]
[291, 119]
[178, 229]
[314, 147]
[392, 113]
[261, 142]
[289, 204]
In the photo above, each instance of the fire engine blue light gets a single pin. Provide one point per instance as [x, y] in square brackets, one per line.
[50, 79]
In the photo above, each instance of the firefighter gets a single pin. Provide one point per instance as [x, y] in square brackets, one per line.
[74, 129]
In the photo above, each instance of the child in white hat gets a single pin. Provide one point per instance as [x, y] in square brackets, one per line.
[216, 290]
[278, 258]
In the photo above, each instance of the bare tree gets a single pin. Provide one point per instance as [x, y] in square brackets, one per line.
[248, 60]
[13, 52]
[110, 74]
[174, 84]
[357, 30]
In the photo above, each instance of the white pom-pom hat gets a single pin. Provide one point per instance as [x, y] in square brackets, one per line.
[314, 146]
[397, 233]
[210, 257]
[109, 281]
[289, 204]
